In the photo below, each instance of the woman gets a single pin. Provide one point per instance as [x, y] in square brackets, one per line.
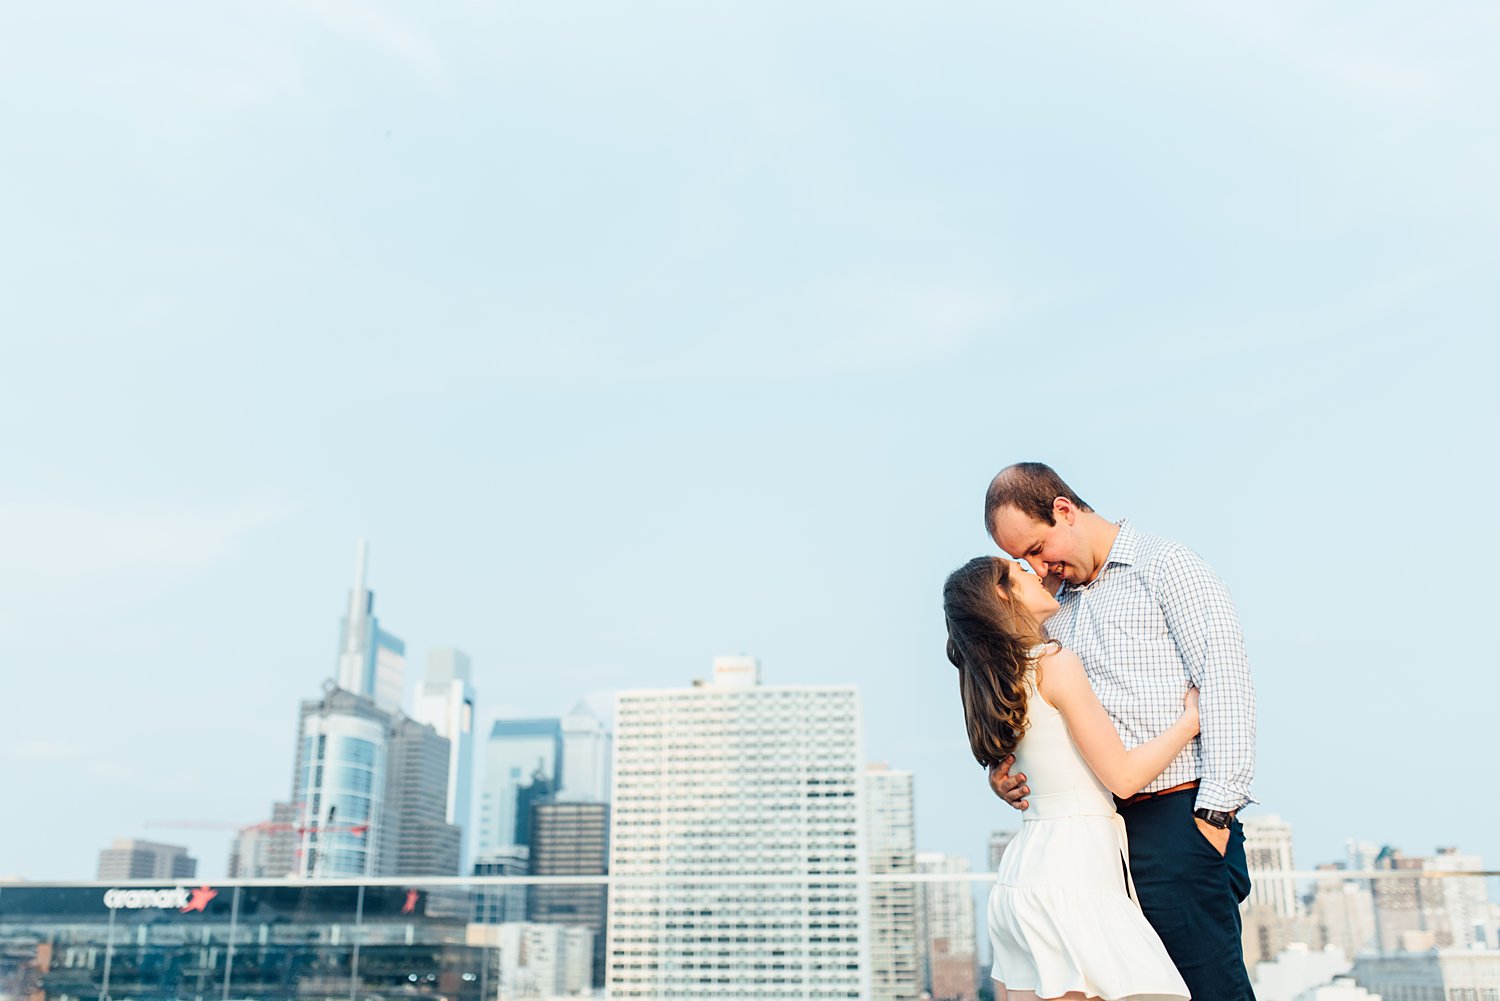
[1062, 916]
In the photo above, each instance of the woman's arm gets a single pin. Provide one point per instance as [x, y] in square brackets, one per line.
[1063, 683]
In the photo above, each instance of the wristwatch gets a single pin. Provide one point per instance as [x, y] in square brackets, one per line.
[1214, 818]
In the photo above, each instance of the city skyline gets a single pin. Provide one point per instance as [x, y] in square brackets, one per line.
[634, 335]
[447, 682]
[898, 935]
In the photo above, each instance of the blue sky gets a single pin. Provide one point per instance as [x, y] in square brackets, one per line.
[633, 334]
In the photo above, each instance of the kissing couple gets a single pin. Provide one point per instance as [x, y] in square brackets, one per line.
[1106, 689]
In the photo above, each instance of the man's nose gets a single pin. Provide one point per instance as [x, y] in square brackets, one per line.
[1039, 566]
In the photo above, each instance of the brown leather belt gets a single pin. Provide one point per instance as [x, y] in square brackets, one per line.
[1141, 797]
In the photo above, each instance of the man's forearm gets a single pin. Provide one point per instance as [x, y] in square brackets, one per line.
[1227, 741]
[1203, 621]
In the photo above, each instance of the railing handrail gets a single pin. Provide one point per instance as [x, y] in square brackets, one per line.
[690, 878]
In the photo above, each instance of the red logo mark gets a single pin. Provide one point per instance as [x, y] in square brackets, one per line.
[411, 902]
[200, 899]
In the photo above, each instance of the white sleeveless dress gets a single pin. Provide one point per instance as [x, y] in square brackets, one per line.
[1063, 915]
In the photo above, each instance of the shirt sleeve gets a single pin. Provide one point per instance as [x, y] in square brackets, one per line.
[1206, 628]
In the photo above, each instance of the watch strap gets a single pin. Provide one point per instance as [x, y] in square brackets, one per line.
[1214, 818]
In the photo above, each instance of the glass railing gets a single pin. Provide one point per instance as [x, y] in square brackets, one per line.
[1402, 935]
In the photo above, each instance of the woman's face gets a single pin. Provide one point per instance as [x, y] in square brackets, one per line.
[1026, 588]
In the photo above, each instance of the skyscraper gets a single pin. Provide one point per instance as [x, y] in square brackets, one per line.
[1342, 914]
[372, 662]
[999, 841]
[571, 839]
[585, 756]
[735, 777]
[895, 971]
[341, 785]
[520, 753]
[1411, 911]
[446, 702]
[416, 838]
[127, 858]
[1465, 900]
[947, 935]
[1268, 855]
[370, 785]
[373, 792]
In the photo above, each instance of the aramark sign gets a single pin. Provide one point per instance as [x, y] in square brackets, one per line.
[177, 898]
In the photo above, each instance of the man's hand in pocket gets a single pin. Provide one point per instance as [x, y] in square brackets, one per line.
[1217, 836]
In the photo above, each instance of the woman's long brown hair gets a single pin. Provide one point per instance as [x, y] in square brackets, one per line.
[989, 641]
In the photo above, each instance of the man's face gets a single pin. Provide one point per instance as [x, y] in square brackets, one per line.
[1054, 552]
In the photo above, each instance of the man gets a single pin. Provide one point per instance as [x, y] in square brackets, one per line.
[1148, 617]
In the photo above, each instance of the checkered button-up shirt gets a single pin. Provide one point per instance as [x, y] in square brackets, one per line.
[1155, 621]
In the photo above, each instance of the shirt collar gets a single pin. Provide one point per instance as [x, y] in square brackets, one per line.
[1123, 551]
[1127, 545]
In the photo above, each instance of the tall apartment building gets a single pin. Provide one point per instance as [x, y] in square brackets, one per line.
[1268, 854]
[946, 928]
[446, 703]
[1271, 917]
[416, 837]
[571, 839]
[1464, 899]
[127, 858]
[1409, 912]
[1342, 914]
[731, 777]
[520, 755]
[586, 744]
[895, 971]
[999, 841]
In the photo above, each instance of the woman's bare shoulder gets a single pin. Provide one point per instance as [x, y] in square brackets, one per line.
[1059, 658]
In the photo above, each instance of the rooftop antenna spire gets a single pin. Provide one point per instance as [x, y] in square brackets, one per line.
[358, 605]
[354, 655]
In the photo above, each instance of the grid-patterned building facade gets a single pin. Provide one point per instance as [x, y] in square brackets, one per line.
[127, 858]
[947, 930]
[1268, 854]
[895, 970]
[417, 839]
[571, 839]
[736, 779]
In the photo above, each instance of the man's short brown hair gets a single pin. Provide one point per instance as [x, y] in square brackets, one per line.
[1029, 487]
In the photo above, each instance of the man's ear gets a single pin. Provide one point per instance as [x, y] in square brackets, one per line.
[1063, 510]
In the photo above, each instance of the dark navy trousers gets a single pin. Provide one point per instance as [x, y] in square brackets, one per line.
[1191, 894]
